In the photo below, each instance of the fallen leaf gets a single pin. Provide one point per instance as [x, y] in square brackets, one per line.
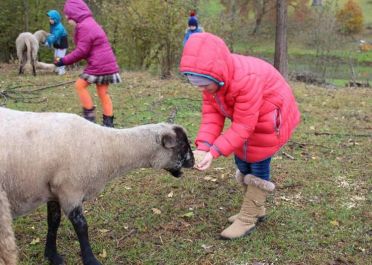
[156, 211]
[188, 215]
[334, 222]
[103, 254]
[35, 241]
[207, 248]
[285, 198]
[103, 231]
[170, 194]
[210, 179]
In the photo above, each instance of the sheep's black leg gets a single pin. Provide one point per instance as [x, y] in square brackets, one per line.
[33, 69]
[81, 228]
[20, 69]
[54, 219]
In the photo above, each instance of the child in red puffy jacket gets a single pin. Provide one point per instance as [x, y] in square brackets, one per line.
[263, 113]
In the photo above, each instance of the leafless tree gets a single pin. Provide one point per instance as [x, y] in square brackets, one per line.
[281, 50]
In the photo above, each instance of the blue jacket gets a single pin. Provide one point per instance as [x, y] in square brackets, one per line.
[58, 33]
[189, 32]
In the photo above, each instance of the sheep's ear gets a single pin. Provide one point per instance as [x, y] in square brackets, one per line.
[168, 140]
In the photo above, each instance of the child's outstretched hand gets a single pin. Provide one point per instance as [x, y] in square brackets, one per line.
[58, 62]
[199, 156]
[203, 160]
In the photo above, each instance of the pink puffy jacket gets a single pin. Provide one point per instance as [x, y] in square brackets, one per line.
[90, 40]
[254, 96]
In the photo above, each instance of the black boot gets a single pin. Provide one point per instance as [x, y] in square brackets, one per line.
[90, 114]
[108, 121]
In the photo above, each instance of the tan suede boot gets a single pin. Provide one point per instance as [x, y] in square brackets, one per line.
[239, 177]
[262, 211]
[254, 200]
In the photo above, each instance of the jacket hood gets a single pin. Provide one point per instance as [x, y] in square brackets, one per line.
[77, 10]
[55, 16]
[207, 55]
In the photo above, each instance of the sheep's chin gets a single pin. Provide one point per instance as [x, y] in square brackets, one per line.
[175, 172]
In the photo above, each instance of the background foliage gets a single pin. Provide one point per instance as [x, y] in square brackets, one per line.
[147, 34]
[351, 17]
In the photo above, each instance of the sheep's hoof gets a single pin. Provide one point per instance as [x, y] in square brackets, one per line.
[55, 259]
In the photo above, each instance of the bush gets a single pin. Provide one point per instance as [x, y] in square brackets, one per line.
[350, 18]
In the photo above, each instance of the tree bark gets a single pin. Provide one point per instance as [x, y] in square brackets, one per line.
[281, 50]
[26, 14]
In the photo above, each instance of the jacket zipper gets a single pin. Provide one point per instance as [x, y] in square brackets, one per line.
[245, 147]
[277, 121]
[221, 107]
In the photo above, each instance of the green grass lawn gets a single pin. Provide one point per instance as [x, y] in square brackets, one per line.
[318, 215]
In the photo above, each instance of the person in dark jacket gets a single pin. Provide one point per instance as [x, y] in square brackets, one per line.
[193, 27]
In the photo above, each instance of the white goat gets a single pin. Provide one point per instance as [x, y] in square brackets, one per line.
[62, 159]
[8, 249]
[27, 45]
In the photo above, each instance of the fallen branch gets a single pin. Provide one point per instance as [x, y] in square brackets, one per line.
[288, 155]
[26, 96]
[305, 144]
[45, 87]
[341, 134]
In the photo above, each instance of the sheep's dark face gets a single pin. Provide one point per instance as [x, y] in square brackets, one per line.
[180, 154]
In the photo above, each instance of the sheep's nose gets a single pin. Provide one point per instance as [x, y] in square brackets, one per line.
[189, 161]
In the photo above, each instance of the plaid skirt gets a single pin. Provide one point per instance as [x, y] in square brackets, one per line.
[101, 79]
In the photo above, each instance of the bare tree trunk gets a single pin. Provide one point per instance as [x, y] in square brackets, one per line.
[233, 21]
[261, 8]
[260, 12]
[26, 14]
[281, 50]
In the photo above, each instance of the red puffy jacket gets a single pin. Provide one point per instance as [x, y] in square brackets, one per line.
[255, 97]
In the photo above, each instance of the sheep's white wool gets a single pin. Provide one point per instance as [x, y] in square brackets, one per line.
[45, 66]
[27, 45]
[8, 249]
[64, 158]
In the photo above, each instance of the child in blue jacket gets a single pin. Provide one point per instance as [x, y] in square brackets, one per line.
[193, 27]
[57, 38]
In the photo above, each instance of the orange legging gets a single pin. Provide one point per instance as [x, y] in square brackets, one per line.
[86, 100]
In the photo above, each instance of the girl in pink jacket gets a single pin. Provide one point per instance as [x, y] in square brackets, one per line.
[92, 45]
[263, 113]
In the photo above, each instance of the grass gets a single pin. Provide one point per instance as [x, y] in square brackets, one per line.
[319, 214]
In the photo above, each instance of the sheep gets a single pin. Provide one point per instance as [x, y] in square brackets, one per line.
[63, 160]
[49, 67]
[8, 249]
[27, 45]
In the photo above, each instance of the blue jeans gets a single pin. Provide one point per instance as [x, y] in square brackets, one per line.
[260, 169]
